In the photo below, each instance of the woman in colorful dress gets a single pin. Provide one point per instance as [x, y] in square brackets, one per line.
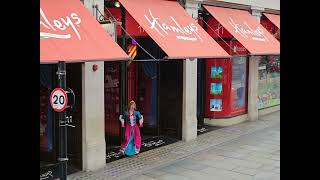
[132, 139]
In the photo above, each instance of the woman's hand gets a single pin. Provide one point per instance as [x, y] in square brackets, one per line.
[141, 121]
[121, 120]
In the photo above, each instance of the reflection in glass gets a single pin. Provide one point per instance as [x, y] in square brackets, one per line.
[269, 82]
[239, 77]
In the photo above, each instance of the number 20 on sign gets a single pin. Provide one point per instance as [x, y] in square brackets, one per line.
[58, 100]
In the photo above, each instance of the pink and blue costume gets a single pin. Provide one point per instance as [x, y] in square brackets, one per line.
[132, 139]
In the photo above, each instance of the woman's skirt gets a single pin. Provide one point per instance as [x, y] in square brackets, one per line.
[132, 141]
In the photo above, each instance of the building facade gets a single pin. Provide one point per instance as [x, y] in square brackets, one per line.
[176, 96]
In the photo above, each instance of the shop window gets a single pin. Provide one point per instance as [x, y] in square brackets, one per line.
[45, 121]
[142, 88]
[148, 90]
[46, 114]
[269, 82]
[112, 98]
[239, 84]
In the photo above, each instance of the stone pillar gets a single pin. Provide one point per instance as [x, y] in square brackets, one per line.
[93, 140]
[189, 109]
[93, 136]
[253, 81]
[253, 89]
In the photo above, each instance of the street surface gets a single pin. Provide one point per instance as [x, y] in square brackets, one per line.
[250, 150]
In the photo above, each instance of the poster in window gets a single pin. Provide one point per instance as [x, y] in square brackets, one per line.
[216, 105]
[216, 72]
[216, 88]
[269, 82]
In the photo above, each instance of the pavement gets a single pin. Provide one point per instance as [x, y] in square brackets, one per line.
[246, 151]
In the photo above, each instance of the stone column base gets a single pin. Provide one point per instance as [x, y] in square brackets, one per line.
[94, 155]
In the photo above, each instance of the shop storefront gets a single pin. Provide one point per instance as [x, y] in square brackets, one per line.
[227, 81]
[269, 68]
[64, 36]
[155, 76]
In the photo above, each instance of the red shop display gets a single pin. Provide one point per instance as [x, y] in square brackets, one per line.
[226, 82]
[226, 79]
[217, 87]
[226, 91]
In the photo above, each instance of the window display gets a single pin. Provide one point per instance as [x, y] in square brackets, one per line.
[216, 88]
[226, 96]
[216, 72]
[238, 88]
[215, 104]
[269, 82]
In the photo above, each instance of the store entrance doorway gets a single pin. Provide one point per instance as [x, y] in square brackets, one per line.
[170, 101]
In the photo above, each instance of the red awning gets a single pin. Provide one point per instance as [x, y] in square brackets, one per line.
[247, 30]
[173, 29]
[275, 19]
[68, 32]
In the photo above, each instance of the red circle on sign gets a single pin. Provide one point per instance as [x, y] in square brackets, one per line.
[55, 91]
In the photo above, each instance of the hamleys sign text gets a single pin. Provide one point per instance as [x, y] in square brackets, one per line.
[187, 33]
[246, 31]
[56, 28]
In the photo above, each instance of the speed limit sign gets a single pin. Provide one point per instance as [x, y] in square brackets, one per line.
[58, 100]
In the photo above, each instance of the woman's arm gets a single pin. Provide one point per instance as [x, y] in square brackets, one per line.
[121, 119]
[140, 117]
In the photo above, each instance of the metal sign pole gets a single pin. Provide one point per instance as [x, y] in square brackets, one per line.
[62, 125]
